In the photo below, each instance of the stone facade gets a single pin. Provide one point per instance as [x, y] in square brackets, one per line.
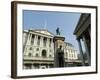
[38, 49]
[83, 35]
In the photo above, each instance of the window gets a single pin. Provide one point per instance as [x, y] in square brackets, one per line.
[50, 43]
[37, 55]
[30, 54]
[27, 66]
[30, 48]
[50, 55]
[32, 40]
[38, 42]
[66, 54]
[37, 49]
[44, 54]
[50, 50]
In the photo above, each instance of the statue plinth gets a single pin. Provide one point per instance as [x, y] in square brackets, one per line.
[58, 41]
[59, 37]
[58, 48]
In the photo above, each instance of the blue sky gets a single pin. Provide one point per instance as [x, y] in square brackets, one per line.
[51, 20]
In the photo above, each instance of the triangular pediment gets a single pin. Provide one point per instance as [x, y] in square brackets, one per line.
[44, 31]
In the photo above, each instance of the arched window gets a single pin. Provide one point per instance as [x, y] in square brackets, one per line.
[30, 48]
[50, 50]
[37, 49]
[37, 55]
[50, 55]
[29, 54]
[44, 53]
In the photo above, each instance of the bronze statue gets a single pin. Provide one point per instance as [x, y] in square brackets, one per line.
[60, 57]
[57, 31]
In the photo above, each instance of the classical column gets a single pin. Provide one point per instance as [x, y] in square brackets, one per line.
[69, 54]
[48, 41]
[87, 51]
[41, 41]
[47, 45]
[52, 44]
[89, 30]
[30, 36]
[81, 52]
[29, 39]
[35, 40]
[25, 42]
[76, 55]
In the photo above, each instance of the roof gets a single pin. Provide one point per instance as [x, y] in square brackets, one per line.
[40, 31]
[43, 31]
[84, 20]
[69, 44]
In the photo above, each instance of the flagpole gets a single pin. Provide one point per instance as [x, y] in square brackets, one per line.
[45, 24]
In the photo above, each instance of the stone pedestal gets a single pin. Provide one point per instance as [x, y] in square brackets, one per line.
[58, 42]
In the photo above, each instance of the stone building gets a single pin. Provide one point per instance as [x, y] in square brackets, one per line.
[83, 35]
[38, 49]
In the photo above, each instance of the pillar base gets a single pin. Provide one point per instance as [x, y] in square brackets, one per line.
[58, 37]
[58, 41]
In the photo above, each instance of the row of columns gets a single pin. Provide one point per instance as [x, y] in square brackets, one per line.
[71, 54]
[86, 49]
[41, 41]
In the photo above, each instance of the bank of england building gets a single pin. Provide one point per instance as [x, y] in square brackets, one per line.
[38, 50]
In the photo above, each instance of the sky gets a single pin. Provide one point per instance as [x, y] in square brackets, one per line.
[50, 20]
